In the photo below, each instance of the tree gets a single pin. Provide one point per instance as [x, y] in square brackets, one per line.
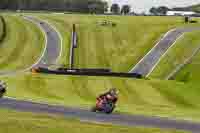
[105, 6]
[162, 10]
[153, 11]
[4, 4]
[98, 7]
[126, 9]
[59, 5]
[115, 8]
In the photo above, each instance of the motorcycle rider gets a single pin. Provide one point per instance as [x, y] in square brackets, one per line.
[106, 102]
[110, 96]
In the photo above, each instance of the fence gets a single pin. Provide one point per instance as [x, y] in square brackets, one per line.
[82, 72]
[3, 35]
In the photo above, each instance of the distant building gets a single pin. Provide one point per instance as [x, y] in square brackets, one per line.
[180, 13]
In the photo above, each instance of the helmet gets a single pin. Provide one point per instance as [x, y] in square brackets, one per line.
[114, 91]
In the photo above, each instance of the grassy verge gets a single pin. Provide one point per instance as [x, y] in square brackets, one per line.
[27, 122]
[154, 97]
[182, 50]
[118, 48]
[22, 45]
[190, 73]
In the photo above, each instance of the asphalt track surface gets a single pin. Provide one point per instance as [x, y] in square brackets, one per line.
[53, 47]
[83, 114]
[86, 116]
[151, 59]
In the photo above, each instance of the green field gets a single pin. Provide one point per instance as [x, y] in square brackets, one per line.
[190, 73]
[118, 48]
[22, 45]
[15, 122]
[153, 97]
[136, 96]
[177, 55]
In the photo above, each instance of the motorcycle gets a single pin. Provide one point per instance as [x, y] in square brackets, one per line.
[104, 106]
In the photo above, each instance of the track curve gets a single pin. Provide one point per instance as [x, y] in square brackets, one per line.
[49, 57]
[53, 48]
[84, 115]
[147, 64]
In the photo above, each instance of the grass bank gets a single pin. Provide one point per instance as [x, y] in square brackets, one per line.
[190, 72]
[153, 97]
[27, 122]
[118, 48]
[22, 46]
[177, 55]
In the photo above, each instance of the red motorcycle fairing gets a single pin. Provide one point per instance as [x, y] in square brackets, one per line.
[99, 102]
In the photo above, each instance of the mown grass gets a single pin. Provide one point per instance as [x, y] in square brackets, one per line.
[15, 122]
[118, 48]
[154, 97]
[22, 46]
[190, 72]
[177, 55]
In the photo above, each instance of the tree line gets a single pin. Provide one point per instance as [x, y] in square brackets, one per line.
[162, 10]
[116, 9]
[85, 6]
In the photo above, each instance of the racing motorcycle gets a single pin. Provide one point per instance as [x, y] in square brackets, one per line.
[104, 106]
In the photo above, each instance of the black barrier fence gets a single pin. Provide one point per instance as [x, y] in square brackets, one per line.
[85, 70]
[4, 28]
[89, 73]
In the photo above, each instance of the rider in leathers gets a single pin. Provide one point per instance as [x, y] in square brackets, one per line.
[110, 96]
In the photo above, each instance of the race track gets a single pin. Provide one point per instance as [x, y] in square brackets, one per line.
[147, 64]
[53, 44]
[50, 56]
[86, 116]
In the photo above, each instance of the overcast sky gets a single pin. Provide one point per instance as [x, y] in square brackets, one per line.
[145, 5]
